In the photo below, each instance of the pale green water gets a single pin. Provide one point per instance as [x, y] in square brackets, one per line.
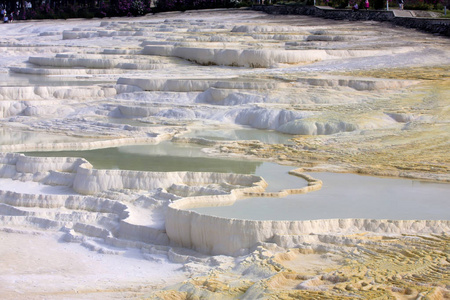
[348, 196]
[342, 196]
[164, 157]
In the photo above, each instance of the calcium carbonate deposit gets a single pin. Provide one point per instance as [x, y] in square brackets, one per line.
[314, 94]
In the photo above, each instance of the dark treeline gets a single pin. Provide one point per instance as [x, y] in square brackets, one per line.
[15, 5]
[63, 9]
[38, 9]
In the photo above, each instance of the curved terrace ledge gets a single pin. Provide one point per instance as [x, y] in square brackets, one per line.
[176, 226]
[233, 237]
[222, 236]
[228, 236]
[86, 145]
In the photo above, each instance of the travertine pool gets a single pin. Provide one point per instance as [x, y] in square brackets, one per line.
[342, 195]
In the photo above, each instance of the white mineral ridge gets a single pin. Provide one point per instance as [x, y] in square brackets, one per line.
[260, 58]
[57, 184]
[215, 235]
[33, 93]
[310, 126]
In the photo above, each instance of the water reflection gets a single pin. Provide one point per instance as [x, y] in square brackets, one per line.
[265, 136]
[348, 196]
[342, 195]
[164, 157]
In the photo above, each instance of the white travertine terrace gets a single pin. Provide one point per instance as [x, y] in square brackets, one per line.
[258, 58]
[139, 74]
[178, 225]
[84, 145]
[193, 230]
[237, 237]
[102, 216]
[92, 84]
[39, 93]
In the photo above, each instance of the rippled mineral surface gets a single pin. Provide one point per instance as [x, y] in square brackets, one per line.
[231, 89]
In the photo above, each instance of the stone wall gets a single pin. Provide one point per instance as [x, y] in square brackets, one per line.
[440, 26]
[433, 25]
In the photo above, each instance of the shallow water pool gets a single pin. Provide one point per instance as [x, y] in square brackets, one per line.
[342, 195]
[348, 196]
[163, 157]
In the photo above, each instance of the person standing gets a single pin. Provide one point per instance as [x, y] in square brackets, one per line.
[5, 16]
[366, 4]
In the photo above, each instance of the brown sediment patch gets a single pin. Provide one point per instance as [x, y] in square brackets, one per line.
[285, 281]
[308, 262]
[171, 295]
[371, 267]
[413, 73]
